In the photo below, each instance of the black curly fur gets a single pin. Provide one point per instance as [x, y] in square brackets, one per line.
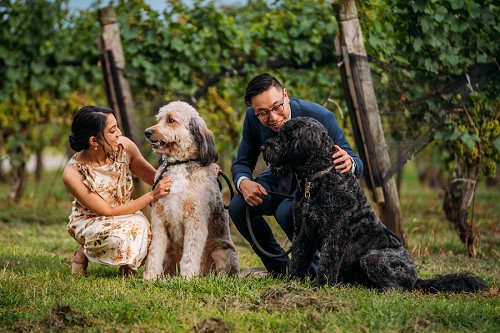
[355, 246]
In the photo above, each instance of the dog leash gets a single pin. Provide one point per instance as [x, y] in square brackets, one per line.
[294, 243]
[163, 167]
[231, 190]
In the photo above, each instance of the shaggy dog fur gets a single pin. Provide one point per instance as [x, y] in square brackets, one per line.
[355, 246]
[190, 226]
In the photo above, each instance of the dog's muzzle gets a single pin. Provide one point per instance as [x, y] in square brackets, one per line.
[153, 142]
[148, 133]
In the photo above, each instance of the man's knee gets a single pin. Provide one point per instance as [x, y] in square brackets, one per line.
[284, 216]
[237, 207]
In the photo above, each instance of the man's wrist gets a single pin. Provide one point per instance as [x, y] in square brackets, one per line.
[238, 183]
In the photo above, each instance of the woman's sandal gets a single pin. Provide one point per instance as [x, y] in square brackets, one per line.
[127, 271]
[79, 262]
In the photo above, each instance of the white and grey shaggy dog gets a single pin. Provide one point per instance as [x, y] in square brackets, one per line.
[355, 247]
[190, 226]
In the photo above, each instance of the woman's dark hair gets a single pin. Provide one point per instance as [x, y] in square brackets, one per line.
[88, 121]
[260, 83]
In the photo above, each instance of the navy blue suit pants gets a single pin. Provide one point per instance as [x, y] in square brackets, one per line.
[272, 205]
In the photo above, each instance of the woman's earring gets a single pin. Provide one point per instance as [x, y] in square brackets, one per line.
[95, 148]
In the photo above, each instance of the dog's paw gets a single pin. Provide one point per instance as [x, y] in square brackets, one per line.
[149, 276]
[319, 282]
[189, 274]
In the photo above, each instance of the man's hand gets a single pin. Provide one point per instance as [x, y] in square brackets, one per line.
[252, 192]
[342, 160]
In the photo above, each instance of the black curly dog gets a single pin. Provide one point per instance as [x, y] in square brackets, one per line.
[355, 246]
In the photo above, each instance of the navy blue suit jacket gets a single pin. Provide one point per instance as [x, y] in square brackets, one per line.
[255, 135]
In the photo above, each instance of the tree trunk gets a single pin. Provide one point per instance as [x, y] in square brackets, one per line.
[3, 173]
[459, 193]
[18, 173]
[38, 164]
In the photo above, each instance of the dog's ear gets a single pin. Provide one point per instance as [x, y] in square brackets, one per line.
[204, 141]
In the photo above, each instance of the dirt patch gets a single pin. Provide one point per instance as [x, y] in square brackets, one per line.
[284, 297]
[211, 325]
[288, 296]
[60, 319]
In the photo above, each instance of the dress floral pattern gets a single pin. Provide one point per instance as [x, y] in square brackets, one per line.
[110, 240]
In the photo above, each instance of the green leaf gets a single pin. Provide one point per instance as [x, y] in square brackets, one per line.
[426, 24]
[469, 140]
[37, 67]
[456, 133]
[417, 44]
[456, 4]
[496, 143]
[176, 43]
[474, 10]
[402, 60]
[440, 13]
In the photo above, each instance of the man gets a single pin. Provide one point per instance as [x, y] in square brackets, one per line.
[269, 107]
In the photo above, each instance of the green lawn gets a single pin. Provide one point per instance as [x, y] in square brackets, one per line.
[37, 293]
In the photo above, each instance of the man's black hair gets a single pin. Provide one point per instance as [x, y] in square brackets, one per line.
[260, 83]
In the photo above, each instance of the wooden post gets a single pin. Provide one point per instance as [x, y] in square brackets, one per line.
[359, 89]
[117, 87]
[113, 62]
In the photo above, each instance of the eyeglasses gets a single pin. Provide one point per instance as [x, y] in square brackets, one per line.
[277, 109]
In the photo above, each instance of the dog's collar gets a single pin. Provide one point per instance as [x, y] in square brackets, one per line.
[308, 183]
[164, 164]
[319, 174]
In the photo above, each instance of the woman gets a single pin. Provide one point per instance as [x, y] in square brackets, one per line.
[104, 220]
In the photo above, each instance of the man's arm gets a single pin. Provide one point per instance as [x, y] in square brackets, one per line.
[338, 137]
[248, 152]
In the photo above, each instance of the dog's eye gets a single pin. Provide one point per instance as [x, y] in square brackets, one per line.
[170, 120]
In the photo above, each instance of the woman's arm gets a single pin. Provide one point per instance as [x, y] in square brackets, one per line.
[98, 205]
[138, 164]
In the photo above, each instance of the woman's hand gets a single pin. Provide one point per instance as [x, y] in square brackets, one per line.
[217, 170]
[162, 189]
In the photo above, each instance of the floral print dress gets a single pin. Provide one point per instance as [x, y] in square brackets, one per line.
[110, 240]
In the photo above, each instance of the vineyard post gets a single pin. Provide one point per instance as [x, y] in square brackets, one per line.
[113, 64]
[117, 87]
[363, 108]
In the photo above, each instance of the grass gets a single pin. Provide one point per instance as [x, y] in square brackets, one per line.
[37, 293]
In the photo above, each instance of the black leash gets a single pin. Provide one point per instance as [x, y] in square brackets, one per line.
[301, 233]
[163, 167]
[228, 185]
[294, 243]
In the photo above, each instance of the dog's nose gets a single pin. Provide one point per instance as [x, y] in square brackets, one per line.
[148, 133]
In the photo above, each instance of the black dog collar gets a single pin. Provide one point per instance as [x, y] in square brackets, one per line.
[164, 164]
